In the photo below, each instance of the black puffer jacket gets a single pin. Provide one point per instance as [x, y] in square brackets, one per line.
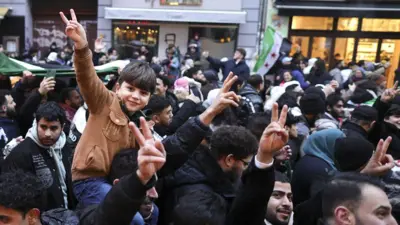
[249, 92]
[59, 216]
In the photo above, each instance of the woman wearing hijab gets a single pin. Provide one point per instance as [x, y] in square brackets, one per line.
[316, 166]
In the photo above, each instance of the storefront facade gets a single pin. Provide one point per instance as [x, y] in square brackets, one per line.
[221, 25]
[347, 30]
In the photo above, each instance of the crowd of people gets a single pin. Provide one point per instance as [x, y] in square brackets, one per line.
[196, 140]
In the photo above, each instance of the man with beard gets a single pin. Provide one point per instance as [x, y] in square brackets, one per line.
[45, 154]
[8, 126]
[334, 109]
[280, 205]
[351, 199]
[70, 101]
[162, 86]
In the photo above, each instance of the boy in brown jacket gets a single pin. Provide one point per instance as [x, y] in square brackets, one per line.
[107, 130]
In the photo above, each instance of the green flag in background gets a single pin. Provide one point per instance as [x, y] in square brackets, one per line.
[269, 51]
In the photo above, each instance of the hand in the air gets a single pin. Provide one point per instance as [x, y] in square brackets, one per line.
[274, 137]
[380, 162]
[151, 155]
[74, 30]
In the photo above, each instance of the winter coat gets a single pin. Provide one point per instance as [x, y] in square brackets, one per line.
[30, 157]
[249, 92]
[202, 172]
[9, 129]
[240, 69]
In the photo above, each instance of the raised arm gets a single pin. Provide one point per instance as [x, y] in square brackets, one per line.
[92, 88]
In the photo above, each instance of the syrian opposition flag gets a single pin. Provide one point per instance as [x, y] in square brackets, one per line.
[269, 51]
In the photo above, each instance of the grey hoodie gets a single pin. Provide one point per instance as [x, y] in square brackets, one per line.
[54, 152]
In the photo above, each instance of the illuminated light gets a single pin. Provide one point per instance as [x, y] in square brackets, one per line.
[174, 3]
[222, 40]
[131, 32]
[138, 28]
[228, 39]
[137, 32]
[127, 27]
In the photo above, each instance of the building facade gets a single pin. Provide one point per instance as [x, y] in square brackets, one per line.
[351, 30]
[221, 25]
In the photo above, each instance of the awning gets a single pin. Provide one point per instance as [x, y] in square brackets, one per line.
[195, 16]
[338, 8]
[3, 12]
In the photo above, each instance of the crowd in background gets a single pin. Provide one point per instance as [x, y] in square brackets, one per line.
[196, 140]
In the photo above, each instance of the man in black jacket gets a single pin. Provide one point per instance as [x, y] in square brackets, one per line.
[8, 126]
[44, 153]
[251, 91]
[219, 169]
[362, 121]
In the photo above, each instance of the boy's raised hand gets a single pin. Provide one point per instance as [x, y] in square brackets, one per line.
[74, 30]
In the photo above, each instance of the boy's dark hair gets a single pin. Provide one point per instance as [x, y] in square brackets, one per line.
[258, 122]
[66, 94]
[123, 163]
[165, 80]
[51, 111]
[280, 177]
[21, 191]
[234, 140]
[157, 104]
[288, 98]
[333, 99]
[3, 93]
[200, 207]
[255, 80]
[242, 52]
[139, 74]
[345, 189]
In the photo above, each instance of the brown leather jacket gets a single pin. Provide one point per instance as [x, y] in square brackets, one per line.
[106, 132]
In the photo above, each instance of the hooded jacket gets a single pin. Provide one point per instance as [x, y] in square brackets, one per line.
[51, 164]
[249, 92]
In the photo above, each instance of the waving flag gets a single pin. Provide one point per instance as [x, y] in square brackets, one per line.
[269, 51]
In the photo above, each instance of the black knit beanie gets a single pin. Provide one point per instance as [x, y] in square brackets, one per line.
[351, 153]
[312, 104]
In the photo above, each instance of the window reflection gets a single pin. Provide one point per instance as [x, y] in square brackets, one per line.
[299, 44]
[344, 48]
[348, 24]
[219, 40]
[312, 23]
[366, 49]
[381, 25]
[321, 47]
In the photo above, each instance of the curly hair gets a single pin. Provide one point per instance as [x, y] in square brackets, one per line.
[21, 191]
[234, 140]
[51, 111]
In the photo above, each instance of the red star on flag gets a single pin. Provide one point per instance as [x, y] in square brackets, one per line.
[273, 55]
[266, 65]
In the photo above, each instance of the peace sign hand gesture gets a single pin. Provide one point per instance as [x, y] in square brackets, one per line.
[274, 136]
[380, 162]
[390, 93]
[151, 155]
[74, 30]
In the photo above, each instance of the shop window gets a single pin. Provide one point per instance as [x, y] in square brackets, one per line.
[344, 48]
[180, 2]
[366, 49]
[299, 44]
[321, 48]
[220, 41]
[390, 52]
[381, 25]
[128, 36]
[348, 24]
[312, 23]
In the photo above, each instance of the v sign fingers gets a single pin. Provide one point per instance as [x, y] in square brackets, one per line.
[64, 18]
[73, 15]
[138, 135]
[283, 116]
[230, 80]
[145, 129]
[275, 113]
